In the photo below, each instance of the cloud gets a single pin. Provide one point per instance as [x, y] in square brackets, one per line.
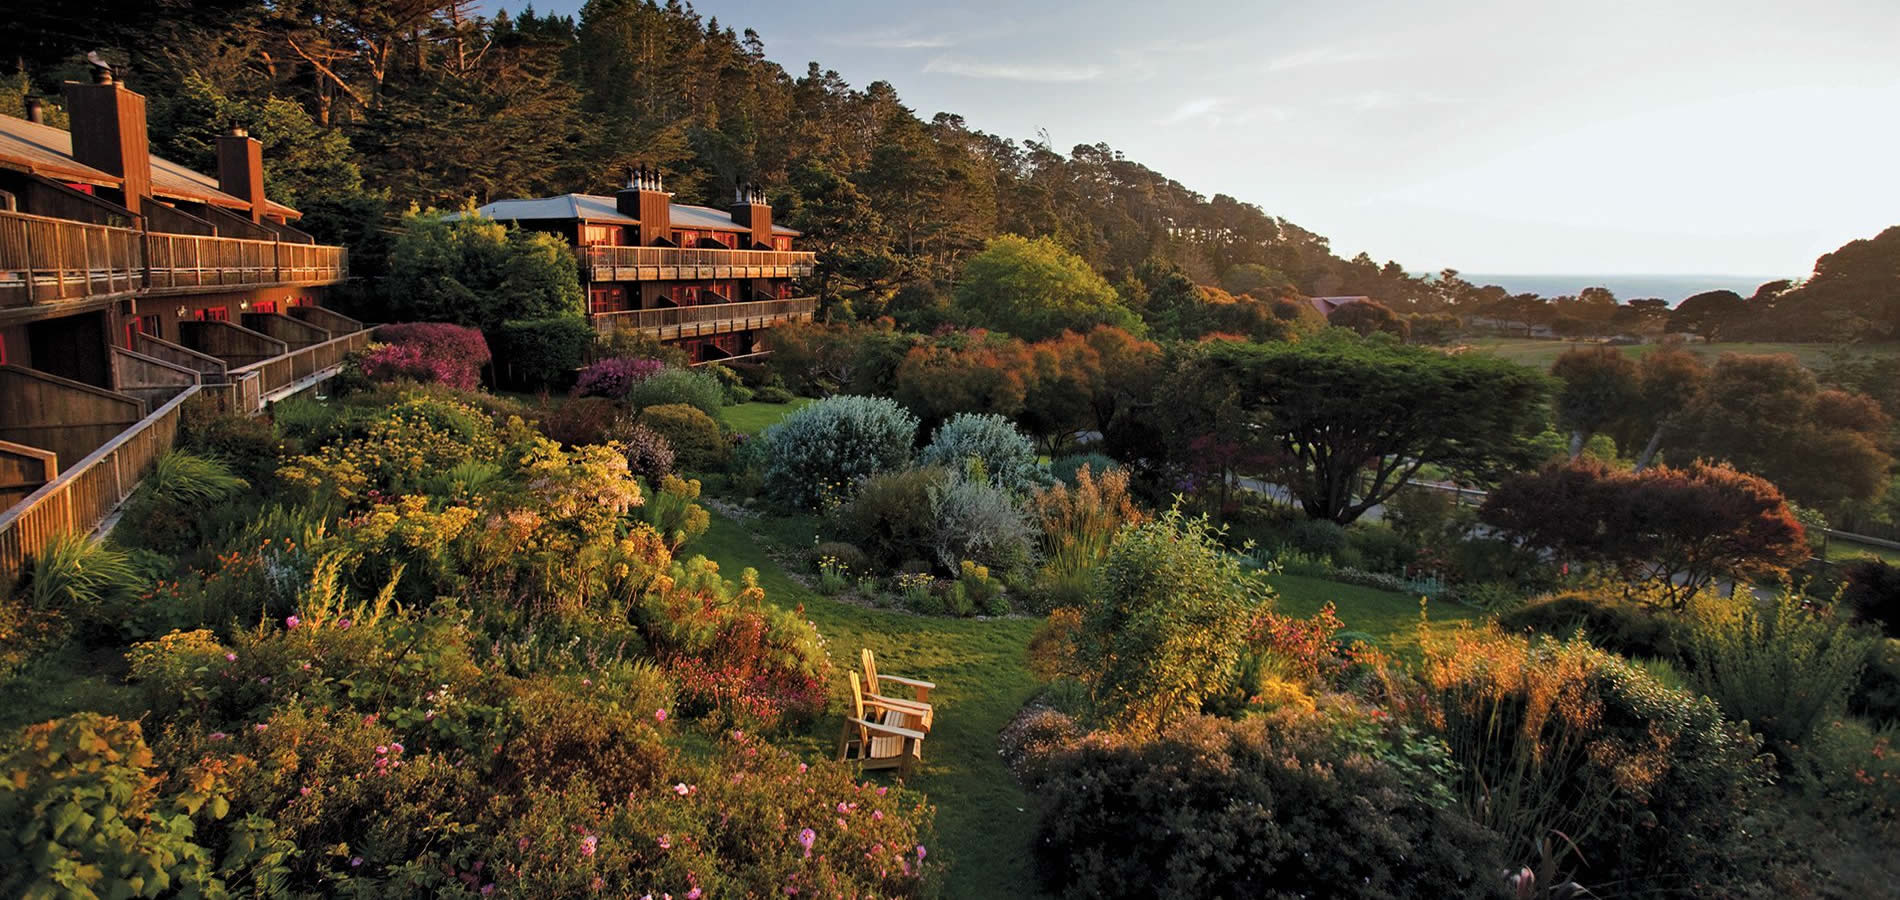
[1052, 73]
[1216, 112]
[1322, 56]
[892, 38]
[1193, 109]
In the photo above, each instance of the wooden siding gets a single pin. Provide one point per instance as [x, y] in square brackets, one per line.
[89, 489]
[24, 470]
[151, 381]
[326, 319]
[284, 328]
[209, 367]
[53, 413]
[236, 345]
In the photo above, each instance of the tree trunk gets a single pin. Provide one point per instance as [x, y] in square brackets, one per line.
[1649, 452]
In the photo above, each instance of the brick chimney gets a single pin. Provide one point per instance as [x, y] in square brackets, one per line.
[241, 169]
[749, 210]
[108, 126]
[646, 200]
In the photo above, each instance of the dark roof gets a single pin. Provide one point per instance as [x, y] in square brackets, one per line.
[48, 151]
[596, 208]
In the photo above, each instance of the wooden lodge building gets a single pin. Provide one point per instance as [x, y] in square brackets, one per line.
[708, 280]
[129, 283]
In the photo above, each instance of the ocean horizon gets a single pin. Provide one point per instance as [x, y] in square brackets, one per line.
[1673, 288]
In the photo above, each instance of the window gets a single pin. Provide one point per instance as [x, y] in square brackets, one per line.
[607, 299]
[686, 238]
[264, 306]
[214, 314]
[782, 243]
[601, 234]
[138, 325]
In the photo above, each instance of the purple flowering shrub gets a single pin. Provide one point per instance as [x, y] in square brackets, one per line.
[613, 377]
[649, 454]
[580, 421]
[429, 353]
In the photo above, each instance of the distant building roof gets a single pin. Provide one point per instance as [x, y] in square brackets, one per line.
[1326, 305]
[48, 151]
[596, 208]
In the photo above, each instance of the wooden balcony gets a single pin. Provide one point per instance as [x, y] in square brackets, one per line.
[51, 261]
[676, 264]
[191, 264]
[47, 262]
[677, 322]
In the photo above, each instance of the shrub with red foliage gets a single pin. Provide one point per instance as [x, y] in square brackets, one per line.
[1677, 530]
[430, 353]
[613, 377]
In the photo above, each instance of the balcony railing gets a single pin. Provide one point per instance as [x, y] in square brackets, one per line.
[180, 263]
[673, 263]
[45, 260]
[707, 319]
[248, 388]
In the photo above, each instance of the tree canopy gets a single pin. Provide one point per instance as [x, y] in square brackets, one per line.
[1035, 289]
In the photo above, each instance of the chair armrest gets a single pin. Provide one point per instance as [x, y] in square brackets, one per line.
[909, 681]
[896, 703]
[889, 729]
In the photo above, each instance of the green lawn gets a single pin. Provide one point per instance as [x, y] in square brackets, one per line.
[984, 820]
[1541, 353]
[1838, 549]
[1389, 617]
[752, 418]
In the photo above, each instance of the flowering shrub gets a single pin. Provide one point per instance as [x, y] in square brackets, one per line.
[837, 439]
[648, 454]
[889, 516]
[613, 377]
[430, 353]
[1007, 458]
[673, 513]
[400, 447]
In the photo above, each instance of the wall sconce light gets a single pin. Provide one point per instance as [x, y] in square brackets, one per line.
[183, 312]
[244, 304]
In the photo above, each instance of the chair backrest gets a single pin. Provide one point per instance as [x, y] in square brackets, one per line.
[870, 669]
[857, 711]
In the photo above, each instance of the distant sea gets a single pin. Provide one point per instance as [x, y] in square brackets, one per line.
[1673, 288]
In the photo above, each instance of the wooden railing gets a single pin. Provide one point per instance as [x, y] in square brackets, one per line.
[706, 319]
[605, 263]
[81, 497]
[45, 260]
[259, 380]
[190, 262]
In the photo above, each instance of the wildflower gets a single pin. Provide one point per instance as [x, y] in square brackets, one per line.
[659, 715]
[920, 853]
[587, 682]
[382, 749]
[261, 726]
[304, 791]
[692, 894]
[343, 624]
[230, 657]
[265, 679]
[395, 747]
[488, 888]
[292, 621]
[807, 837]
[355, 861]
[218, 735]
[666, 842]
[588, 844]
[877, 815]
[802, 767]
[681, 789]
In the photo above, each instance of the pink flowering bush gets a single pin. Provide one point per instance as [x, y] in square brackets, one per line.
[613, 377]
[430, 353]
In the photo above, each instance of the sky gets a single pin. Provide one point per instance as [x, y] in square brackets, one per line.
[1515, 136]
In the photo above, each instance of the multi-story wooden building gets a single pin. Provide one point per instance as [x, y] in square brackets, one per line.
[709, 280]
[128, 283]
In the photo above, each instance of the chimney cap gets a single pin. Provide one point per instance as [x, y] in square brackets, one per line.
[101, 70]
[240, 131]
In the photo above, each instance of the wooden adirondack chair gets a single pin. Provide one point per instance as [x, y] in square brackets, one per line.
[878, 735]
[872, 680]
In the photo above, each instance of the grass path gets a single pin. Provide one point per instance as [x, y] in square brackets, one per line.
[984, 823]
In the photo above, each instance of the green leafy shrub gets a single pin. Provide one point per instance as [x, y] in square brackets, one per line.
[773, 394]
[1877, 696]
[1008, 458]
[1650, 787]
[672, 510]
[845, 554]
[984, 593]
[1492, 596]
[1873, 593]
[91, 583]
[1380, 548]
[1783, 669]
[1168, 623]
[1271, 806]
[173, 504]
[545, 351]
[1320, 537]
[247, 444]
[679, 386]
[890, 516]
[1065, 469]
[737, 394]
[85, 816]
[699, 445]
[1609, 622]
[1421, 513]
[835, 442]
